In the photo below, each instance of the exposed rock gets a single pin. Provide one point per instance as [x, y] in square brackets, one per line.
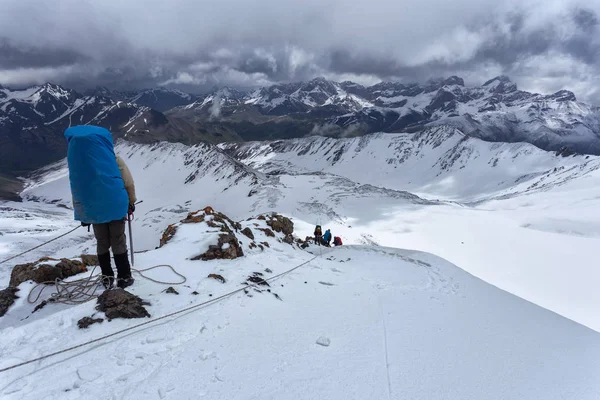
[7, 298]
[85, 322]
[71, 267]
[37, 273]
[171, 290]
[289, 239]
[248, 232]
[118, 303]
[262, 218]
[266, 244]
[195, 293]
[228, 247]
[40, 273]
[90, 260]
[252, 245]
[217, 277]
[281, 224]
[268, 232]
[168, 234]
[258, 280]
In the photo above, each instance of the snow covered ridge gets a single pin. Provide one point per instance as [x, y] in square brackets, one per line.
[438, 161]
[496, 111]
[352, 322]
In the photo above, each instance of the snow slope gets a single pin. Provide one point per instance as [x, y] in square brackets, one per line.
[396, 324]
[534, 212]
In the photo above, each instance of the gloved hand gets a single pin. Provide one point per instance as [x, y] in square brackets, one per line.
[131, 209]
[85, 224]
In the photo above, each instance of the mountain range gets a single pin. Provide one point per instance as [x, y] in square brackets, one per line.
[32, 120]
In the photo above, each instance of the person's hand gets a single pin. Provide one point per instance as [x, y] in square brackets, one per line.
[131, 209]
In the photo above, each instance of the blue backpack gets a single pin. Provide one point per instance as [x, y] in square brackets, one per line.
[99, 194]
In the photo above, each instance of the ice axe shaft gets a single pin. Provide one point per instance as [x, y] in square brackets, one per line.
[130, 241]
[131, 236]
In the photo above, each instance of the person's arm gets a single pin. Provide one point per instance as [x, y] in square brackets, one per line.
[127, 180]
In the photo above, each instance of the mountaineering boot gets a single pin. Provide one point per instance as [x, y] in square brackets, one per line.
[124, 277]
[107, 271]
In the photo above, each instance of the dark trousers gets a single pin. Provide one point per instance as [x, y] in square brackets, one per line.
[111, 235]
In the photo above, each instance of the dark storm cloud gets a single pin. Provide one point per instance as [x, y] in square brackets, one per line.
[545, 45]
[12, 56]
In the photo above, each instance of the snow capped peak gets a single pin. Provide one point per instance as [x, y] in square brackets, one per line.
[500, 84]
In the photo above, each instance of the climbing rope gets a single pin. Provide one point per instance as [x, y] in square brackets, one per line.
[43, 244]
[83, 290]
[191, 308]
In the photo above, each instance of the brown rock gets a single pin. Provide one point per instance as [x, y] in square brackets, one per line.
[262, 218]
[7, 298]
[281, 224]
[168, 235]
[217, 277]
[90, 260]
[37, 273]
[234, 250]
[248, 232]
[266, 244]
[289, 239]
[71, 267]
[118, 303]
[85, 322]
[268, 232]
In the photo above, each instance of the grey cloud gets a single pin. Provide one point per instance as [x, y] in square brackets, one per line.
[191, 46]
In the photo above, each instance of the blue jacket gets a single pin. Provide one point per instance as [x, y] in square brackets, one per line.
[327, 236]
[99, 194]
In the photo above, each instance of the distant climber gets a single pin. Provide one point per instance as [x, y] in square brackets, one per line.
[327, 238]
[103, 196]
[337, 241]
[318, 235]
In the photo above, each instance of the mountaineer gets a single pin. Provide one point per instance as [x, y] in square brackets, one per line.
[103, 196]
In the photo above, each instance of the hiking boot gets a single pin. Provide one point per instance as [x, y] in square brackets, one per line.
[124, 278]
[108, 282]
[125, 282]
[107, 271]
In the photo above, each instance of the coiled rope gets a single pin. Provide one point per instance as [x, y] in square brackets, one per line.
[83, 290]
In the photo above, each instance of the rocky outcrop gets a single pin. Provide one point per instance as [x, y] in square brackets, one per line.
[248, 232]
[228, 247]
[41, 273]
[118, 303]
[7, 298]
[281, 224]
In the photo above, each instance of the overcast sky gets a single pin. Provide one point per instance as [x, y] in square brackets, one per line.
[543, 45]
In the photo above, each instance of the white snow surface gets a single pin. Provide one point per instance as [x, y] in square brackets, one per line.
[400, 323]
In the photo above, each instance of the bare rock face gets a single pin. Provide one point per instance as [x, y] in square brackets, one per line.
[248, 232]
[281, 224]
[40, 273]
[7, 298]
[118, 303]
[228, 247]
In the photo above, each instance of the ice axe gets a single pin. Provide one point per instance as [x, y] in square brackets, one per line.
[129, 219]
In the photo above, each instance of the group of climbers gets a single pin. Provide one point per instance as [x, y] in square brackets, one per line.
[325, 239]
